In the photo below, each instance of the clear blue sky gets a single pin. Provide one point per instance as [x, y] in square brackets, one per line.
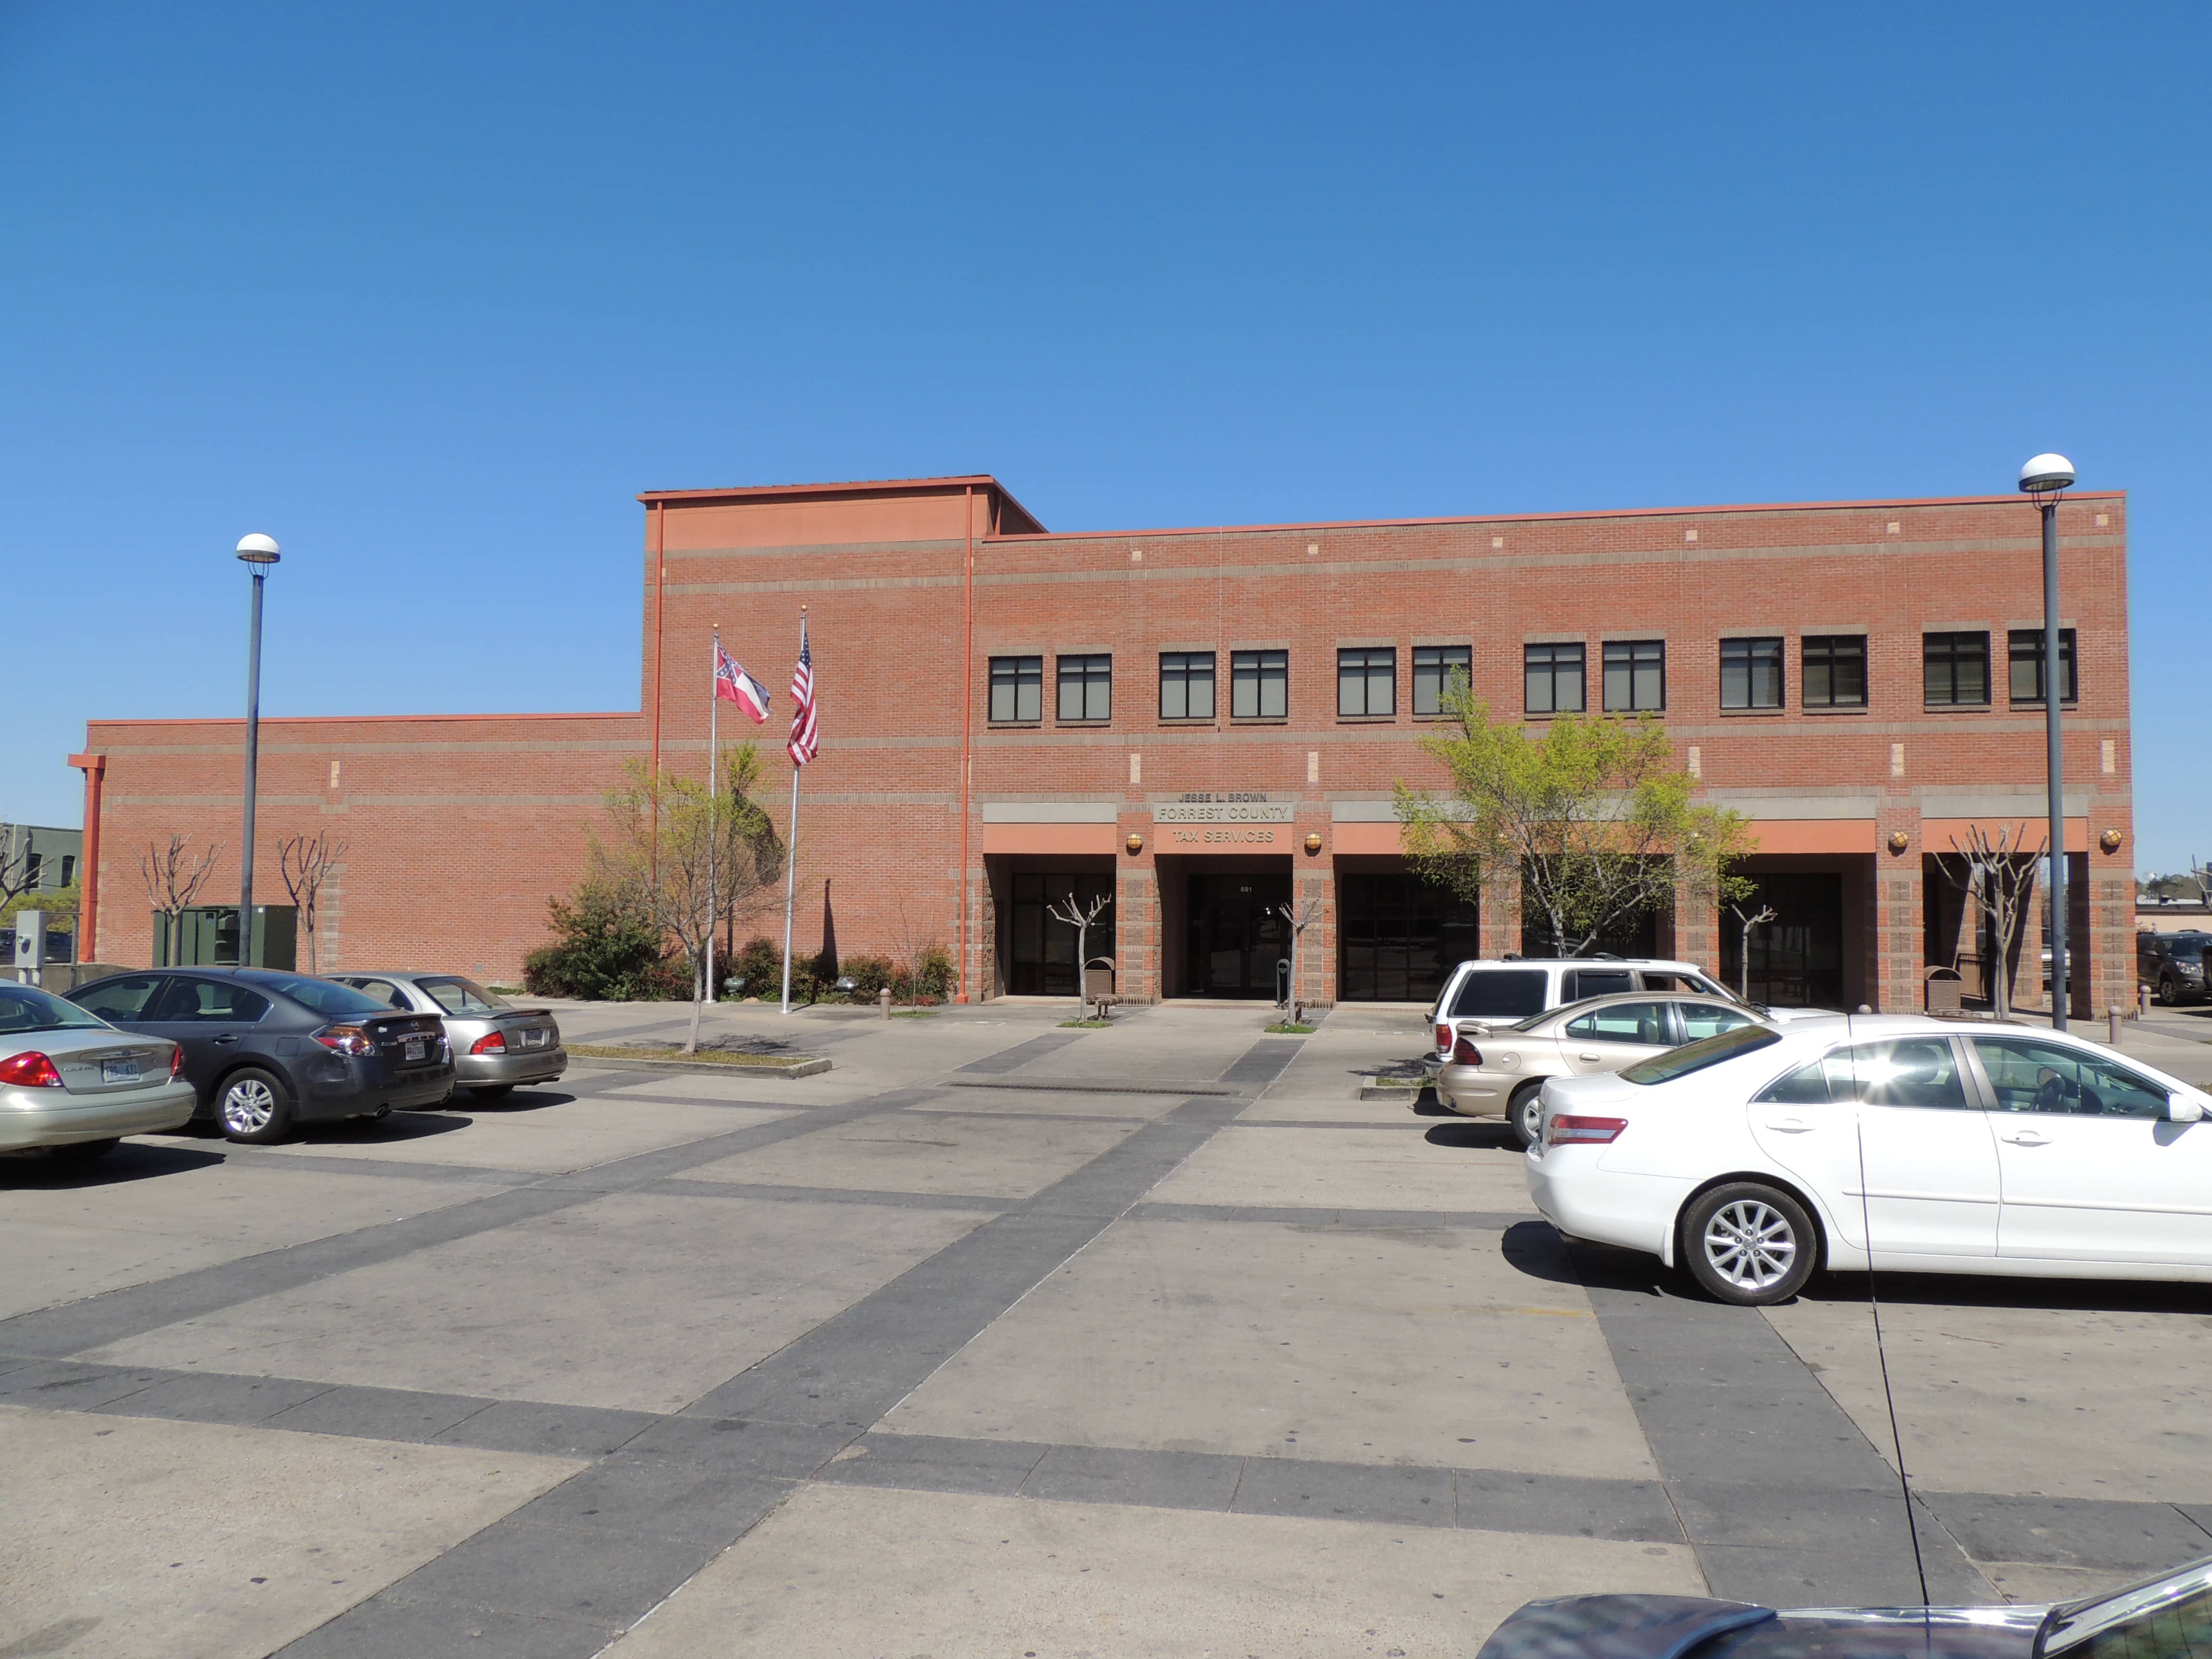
[430, 292]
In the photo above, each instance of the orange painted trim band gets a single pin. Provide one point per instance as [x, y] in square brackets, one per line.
[1104, 839]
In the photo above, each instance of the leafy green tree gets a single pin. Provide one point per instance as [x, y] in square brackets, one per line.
[1593, 813]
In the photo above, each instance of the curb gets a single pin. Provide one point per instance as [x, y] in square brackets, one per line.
[721, 1068]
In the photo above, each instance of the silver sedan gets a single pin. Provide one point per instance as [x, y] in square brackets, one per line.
[497, 1047]
[1499, 1071]
[73, 1084]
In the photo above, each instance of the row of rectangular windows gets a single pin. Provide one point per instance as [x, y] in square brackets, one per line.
[1832, 674]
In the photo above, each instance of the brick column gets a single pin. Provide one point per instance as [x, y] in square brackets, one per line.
[1696, 931]
[1497, 917]
[1313, 878]
[1136, 904]
[1900, 920]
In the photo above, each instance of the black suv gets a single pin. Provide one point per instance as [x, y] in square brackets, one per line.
[2173, 965]
[269, 1050]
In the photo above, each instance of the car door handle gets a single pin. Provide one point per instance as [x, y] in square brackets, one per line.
[1789, 1126]
[1589, 1056]
[2026, 1138]
[222, 1039]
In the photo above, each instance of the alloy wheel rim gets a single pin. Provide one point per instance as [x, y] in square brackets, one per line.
[1532, 1117]
[247, 1106]
[1751, 1245]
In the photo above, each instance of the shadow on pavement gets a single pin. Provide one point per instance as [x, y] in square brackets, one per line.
[1471, 1134]
[1976, 1291]
[132, 1161]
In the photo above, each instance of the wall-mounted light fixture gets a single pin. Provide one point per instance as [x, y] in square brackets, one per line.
[1898, 841]
[1135, 844]
[1313, 843]
[2110, 840]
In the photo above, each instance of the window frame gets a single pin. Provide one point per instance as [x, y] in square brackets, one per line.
[1444, 661]
[1369, 666]
[1553, 665]
[1183, 673]
[1023, 670]
[1827, 644]
[1634, 660]
[2069, 665]
[1268, 666]
[1088, 676]
[1748, 650]
[1951, 659]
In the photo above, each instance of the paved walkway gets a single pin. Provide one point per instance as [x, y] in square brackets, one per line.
[998, 1338]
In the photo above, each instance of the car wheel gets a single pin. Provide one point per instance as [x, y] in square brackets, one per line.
[1750, 1245]
[253, 1107]
[2168, 995]
[491, 1091]
[1524, 1116]
[84, 1152]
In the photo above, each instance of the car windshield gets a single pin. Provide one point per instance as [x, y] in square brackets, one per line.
[1502, 994]
[324, 996]
[2169, 1617]
[463, 996]
[1696, 1056]
[26, 1008]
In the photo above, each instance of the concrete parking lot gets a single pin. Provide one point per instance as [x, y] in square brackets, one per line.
[996, 1339]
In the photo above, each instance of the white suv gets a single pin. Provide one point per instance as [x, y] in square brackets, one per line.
[1499, 992]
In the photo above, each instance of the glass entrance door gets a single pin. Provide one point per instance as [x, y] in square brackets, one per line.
[1238, 935]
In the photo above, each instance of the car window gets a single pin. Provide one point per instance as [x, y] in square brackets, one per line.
[384, 991]
[463, 996]
[26, 1008]
[1502, 994]
[1581, 983]
[2168, 1619]
[1917, 1072]
[1705, 1019]
[118, 999]
[1825, 1079]
[214, 1001]
[325, 996]
[2029, 1074]
[1697, 1056]
[1623, 1022]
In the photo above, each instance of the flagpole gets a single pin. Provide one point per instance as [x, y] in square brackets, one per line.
[790, 848]
[713, 794]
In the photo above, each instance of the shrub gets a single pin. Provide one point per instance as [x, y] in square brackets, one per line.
[603, 951]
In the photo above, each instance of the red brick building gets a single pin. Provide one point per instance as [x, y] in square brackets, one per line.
[1204, 722]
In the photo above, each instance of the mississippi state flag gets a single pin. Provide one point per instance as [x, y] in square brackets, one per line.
[806, 741]
[733, 684]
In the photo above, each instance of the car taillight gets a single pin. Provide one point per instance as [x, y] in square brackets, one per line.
[1563, 1130]
[491, 1043]
[1443, 1037]
[346, 1040]
[29, 1070]
[1464, 1052]
[177, 1061]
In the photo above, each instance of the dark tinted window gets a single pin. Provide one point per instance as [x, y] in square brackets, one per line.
[1635, 676]
[325, 996]
[1186, 685]
[212, 1001]
[1751, 673]
[1501, 992]
[1367, 681]
[1955, 669]
[1259, 685]
[2024, 650]
[1579, 982]
[1553, 678]
[1086, 688]
[1835, 672]
[118, 999]
[1696, 1056]
[1017, 688]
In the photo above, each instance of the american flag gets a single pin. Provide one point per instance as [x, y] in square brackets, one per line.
[805, 742]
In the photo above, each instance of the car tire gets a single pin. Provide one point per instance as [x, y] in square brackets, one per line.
[1750, 1245]
[2169, 995]
[251, 1106]
[491, 1091]
[84, 1152]
[1524, 1114]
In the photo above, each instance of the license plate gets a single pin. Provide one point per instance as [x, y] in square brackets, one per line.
[417, 1046]
[533, 1039]
[119, 1071]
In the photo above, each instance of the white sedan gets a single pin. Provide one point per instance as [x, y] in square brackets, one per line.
[1759, 1156]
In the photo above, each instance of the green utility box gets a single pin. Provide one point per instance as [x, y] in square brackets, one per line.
[207, 937]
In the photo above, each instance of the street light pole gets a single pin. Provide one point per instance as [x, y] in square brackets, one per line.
[257, 553]
[2047, 477]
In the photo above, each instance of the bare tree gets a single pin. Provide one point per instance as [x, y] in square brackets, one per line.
[2000, 879]
[1766, 914]
[1300, 916]
[1079, 916]
[306, 863]
[18, 875]
[174, 876]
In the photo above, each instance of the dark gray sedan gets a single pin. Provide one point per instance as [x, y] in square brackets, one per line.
[267, 1051]
[497, 1047]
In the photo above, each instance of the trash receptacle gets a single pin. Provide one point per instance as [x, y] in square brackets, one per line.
[1944, 986]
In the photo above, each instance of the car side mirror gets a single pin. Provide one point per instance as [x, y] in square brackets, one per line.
[2179, 1109]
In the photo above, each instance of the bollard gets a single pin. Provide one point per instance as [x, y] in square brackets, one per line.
[2143, 1001]
[2113, 1020]
[883, 1001]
